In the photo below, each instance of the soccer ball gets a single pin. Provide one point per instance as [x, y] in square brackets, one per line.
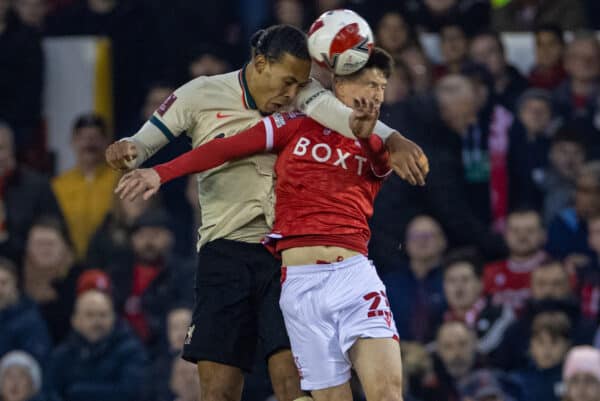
[340, 40]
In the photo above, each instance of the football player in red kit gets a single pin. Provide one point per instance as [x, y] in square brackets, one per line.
[334, 304]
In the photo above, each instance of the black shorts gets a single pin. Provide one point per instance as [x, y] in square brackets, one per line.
[237, 304]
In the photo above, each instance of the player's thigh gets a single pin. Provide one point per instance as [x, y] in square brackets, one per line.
[378, 364]
[223, 328]
[267, 292]
[337, 393]
[219, 382]
[284, 376]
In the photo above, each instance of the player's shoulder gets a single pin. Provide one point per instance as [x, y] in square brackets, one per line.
[204, 83]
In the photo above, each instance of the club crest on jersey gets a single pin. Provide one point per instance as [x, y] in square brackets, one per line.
[166, 105]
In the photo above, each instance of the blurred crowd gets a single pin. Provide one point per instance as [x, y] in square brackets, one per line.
[492, 269]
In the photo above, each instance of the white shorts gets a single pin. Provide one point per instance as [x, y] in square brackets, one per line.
[326, 308]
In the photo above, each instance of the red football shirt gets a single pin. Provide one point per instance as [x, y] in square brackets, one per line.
[326, 183]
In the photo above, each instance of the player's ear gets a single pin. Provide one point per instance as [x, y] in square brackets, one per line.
[260, 63]
[339, 87]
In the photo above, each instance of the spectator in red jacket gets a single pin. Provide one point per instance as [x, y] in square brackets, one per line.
[508, 281]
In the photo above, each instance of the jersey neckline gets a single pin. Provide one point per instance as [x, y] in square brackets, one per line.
[247, 98]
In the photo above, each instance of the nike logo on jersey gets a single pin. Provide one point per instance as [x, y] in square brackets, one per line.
[220, 115]
[221, 135]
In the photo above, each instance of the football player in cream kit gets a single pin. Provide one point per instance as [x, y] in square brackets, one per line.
[237, 280]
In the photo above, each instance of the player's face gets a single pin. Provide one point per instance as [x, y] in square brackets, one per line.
[370, 85]
[280, 81]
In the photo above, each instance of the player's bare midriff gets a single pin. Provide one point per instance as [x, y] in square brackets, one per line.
[310, 255]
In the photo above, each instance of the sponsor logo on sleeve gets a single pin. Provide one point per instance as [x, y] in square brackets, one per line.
[166, 105]
[279, 120]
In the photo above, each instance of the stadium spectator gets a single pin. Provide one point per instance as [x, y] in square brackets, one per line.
[558, 181]
[208, 61]
[289, 12]
[22, 324]
[550, 292]
[454, 45]
[394, 33]
[589, 275]
[487, 385]
[485, 151]
[184, 382]
[507, 282]
[415, 289]
[24, 197]
[487, 48]
[463, 290]
[149, 279]
[455, 358]
[21, 85]
[417, 371]
[20, 378]
[576, 96]
[32, 12]
[548, 346]
[430, 15]
[178, 320]
[100, 360]
[134, 36]
[525, 15]
[399, 87]
[548, 71]
[94, 279]
[85, 192]
[567, 233]
[419, 66]
[528, 149]
[50, 274]
[581, 374]
[437, 124]
[179, 210]
[111, 240]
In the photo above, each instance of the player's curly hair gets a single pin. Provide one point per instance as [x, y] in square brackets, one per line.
[277, 40]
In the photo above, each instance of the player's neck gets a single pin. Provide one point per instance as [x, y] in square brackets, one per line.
[251, 79]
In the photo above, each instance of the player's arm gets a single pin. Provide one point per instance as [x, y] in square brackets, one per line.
[377, 154]
[362, 121]
[262, 137]
[406, 157]
[173, 117]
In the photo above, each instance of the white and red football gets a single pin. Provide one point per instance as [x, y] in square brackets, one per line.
[340, 40]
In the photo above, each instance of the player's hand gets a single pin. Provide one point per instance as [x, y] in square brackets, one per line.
[363, 118]
[407, 159]
[144, 181]
[119, 154]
